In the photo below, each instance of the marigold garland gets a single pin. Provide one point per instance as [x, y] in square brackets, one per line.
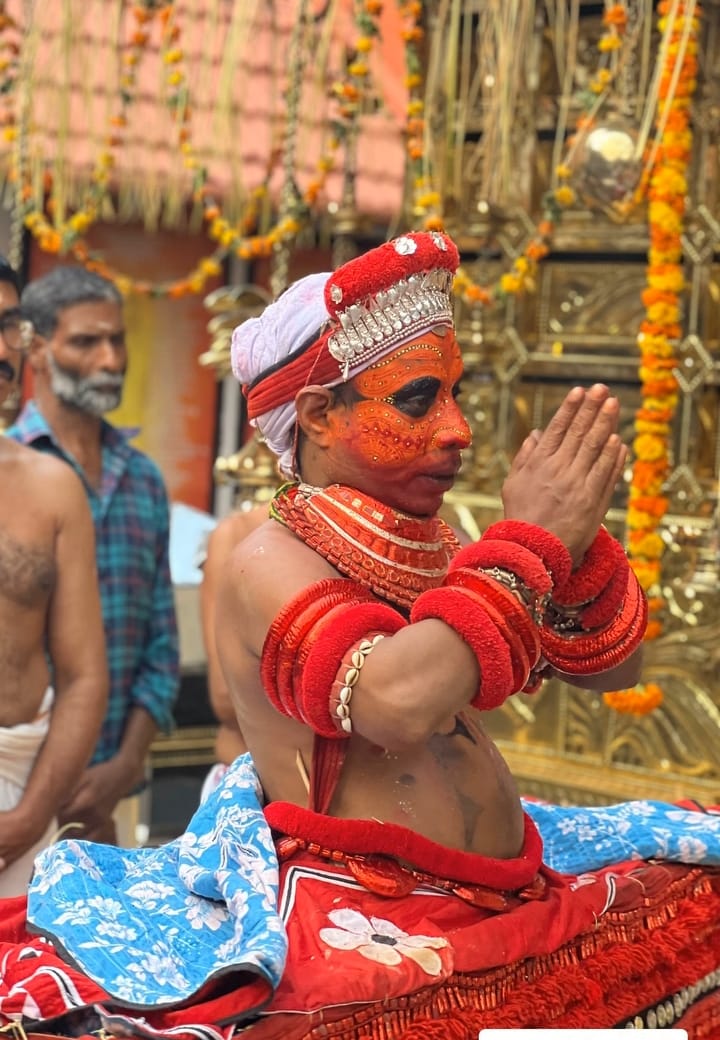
[66, 236]
[661, 328]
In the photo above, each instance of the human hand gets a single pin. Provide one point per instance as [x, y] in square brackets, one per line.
[563, 478]
[94, 800]
[18, 833]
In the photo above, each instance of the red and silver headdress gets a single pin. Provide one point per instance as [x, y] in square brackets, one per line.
[328, 327]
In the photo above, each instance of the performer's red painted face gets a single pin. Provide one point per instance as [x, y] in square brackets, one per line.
[400, 437]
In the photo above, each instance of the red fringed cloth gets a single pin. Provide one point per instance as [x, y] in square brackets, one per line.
[635, 943]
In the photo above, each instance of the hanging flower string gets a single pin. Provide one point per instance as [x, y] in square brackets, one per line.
[66, 237]
[63, 236]
[661, 328]
[521, 277]
[10, 38]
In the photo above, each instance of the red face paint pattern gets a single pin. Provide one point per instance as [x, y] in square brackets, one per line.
[401, 442]
[391, 436]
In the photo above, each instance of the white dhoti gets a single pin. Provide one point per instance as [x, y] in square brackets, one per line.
[19, 749]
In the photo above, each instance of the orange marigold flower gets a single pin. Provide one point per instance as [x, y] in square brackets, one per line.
[654, 629]
[640, 700]
[654, 412]
[434, 223]
[655, 505]
[615, 15]
[536, 250]
[476, 294]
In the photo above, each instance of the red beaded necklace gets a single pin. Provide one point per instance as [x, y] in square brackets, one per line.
[396, 555]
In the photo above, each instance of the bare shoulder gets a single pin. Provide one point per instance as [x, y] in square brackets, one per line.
[233, 528]
[265, 571]
[43, 477]
[271, 560]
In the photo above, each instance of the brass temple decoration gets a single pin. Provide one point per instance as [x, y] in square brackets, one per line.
[579, 323]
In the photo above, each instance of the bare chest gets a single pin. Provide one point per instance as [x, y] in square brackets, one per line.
[27, 570]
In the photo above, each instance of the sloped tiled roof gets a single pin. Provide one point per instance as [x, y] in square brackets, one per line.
[236, 59]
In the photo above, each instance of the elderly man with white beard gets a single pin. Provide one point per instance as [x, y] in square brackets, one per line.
[78, 356]
[53, 676]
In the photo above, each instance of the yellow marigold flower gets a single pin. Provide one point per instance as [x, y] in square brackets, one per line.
[564, 195]
[510, 284]
[649, 546]
[667, 281]
[657, 346]
[664, 313]
[660, 429]
[210, 266]
[172, 57]
[563, 172]
[428, 199]
[415, 107]
[611, 42]
[521, 265]
[649, 448]
[80, 221]
[637, 520]
[124, 284]
[175, 78]
[647, 572]
[670, 180]
[363, 44]
[10, 133]
[358, 68]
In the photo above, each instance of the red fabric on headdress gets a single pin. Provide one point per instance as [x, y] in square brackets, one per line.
[314, 366]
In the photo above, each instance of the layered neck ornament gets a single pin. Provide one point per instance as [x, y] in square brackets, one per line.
[395, 555]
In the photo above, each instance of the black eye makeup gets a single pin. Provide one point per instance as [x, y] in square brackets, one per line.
[417, 397]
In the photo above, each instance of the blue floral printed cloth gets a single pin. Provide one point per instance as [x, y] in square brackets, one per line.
[576, 840]
[154, 926]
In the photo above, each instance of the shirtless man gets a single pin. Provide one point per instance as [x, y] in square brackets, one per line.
[393, 732]
[49, 720]
[229, 741]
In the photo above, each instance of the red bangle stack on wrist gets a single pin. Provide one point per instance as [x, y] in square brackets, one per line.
[597, 617]
[554, 555]
[494, 597]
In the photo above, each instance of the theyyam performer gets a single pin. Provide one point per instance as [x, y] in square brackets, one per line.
[370, 860]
